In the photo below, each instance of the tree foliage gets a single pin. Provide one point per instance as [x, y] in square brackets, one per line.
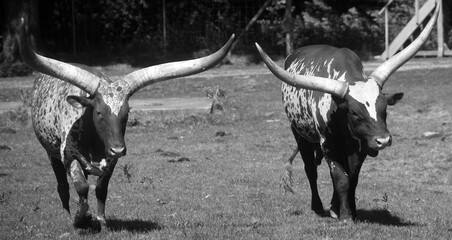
[355, 29]
[102, 31]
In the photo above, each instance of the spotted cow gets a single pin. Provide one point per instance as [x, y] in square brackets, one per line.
[337, 113]
[79, 116]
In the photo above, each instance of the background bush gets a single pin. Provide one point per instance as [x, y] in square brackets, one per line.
[116, 31]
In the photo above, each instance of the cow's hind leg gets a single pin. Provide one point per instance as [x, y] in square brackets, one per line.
[63, 185]
[101, 192]
[307, 151]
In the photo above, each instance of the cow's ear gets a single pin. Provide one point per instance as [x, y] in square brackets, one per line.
[392, 99]
[78, 101]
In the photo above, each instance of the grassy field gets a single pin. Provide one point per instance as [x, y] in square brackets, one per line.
[229, 188]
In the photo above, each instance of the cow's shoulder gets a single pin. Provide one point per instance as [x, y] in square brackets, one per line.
[326, 61]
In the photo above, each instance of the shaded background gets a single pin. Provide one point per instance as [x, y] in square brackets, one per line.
[145, 32]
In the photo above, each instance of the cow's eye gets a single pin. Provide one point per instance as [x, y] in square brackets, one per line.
[356, 116]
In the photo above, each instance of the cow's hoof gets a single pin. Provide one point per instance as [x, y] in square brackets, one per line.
[88, 223]
[333, 213]
[82, 221]
[346, 222]
[102, 222]
[319, 211]
[96, 226]
[317, 206]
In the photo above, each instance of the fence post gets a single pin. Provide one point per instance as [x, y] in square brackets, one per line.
[385, 8]
[440, 27]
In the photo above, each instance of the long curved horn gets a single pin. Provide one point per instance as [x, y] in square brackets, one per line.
[327, 85]
[382, 73]
[162, 72]
[85, 80]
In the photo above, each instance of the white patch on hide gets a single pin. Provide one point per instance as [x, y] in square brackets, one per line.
[367, 94]
[115, 95]
[76, 168]
[324, 106]
[103, 165]
[342, 77]
[329, 66]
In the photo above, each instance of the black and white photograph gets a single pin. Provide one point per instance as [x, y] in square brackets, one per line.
[226, 119]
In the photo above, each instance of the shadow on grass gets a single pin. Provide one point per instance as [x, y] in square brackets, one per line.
[383, 217]
[132, 225]
[375, 216]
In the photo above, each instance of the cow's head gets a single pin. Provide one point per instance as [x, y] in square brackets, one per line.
[365, 106]
[363, 101]
[109, 108]
[108, 100]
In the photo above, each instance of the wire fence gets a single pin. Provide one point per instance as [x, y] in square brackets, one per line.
[152, 31]
[208, 25]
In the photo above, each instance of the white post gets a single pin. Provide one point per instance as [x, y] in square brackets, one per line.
[440, 27]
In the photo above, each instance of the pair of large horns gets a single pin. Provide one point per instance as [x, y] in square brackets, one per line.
[338, 88]
[138, 79]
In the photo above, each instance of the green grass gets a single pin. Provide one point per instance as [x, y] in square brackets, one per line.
[230, 187]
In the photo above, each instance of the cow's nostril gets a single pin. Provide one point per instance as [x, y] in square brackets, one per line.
[117, 151]
[383, 142]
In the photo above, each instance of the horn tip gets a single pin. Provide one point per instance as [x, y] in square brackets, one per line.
[22, 23]
[258, 46]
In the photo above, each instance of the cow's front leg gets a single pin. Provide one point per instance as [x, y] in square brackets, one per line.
[101, 191]
[351, 195]
[81, 219]
[355, 162]
[341, 185]
[334, 206]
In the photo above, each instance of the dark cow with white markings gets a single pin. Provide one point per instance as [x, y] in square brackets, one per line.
[79, 116]
[337, 113]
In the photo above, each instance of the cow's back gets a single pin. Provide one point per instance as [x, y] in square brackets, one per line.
[310, 111]
[52, 116]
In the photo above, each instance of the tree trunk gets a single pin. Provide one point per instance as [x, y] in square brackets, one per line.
[288, 27]
[13, 10]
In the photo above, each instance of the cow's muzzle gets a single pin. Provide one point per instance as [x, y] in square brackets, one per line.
[382, 142]
[116, 152]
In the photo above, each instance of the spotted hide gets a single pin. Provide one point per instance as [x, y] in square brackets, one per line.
[337, 113]
[324, 125]
[79, 116]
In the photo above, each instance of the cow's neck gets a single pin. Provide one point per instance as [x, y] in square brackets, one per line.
[92, 147]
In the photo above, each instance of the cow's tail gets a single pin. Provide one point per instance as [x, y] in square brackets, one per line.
[286, 181]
